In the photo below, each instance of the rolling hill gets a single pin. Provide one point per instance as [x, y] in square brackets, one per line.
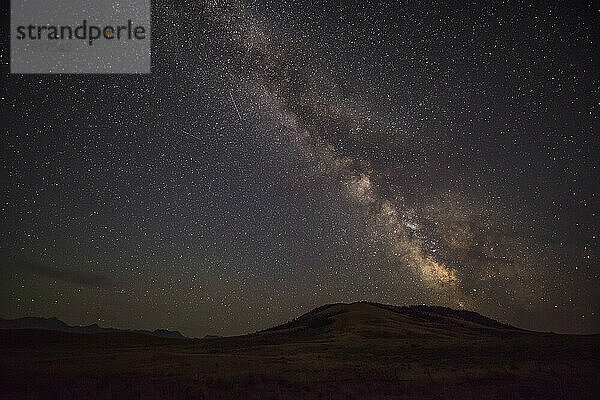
[376, 320]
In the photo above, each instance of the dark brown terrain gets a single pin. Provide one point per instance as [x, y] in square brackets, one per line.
[341, 351]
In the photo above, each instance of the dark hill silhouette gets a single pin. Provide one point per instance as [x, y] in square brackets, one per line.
[378, 320]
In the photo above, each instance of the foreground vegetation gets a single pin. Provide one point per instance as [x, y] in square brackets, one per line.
[352, 351]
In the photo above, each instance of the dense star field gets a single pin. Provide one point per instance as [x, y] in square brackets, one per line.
[284, 155]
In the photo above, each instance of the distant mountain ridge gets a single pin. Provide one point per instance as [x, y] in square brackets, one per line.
[55, 324]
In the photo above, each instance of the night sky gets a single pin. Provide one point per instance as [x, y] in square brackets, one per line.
[284, 155]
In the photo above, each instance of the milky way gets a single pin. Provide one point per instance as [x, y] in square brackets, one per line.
[282, 156]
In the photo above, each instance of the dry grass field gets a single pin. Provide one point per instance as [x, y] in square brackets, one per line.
[355, 351]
